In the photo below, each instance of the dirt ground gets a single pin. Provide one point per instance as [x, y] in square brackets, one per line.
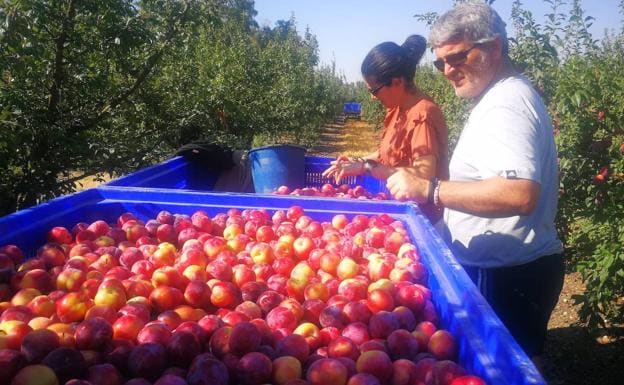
[573, 354]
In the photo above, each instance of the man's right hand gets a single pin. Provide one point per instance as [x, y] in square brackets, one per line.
[406, 185]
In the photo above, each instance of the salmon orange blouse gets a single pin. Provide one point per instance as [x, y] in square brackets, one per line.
[414, 133]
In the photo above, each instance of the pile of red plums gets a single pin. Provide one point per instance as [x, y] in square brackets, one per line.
[330, 191]
[243, 297]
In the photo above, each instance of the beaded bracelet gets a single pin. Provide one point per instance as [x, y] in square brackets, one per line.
[436, 194]
[430, 194]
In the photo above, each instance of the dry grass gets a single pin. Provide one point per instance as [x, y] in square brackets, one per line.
[91, 181]
[354, 138]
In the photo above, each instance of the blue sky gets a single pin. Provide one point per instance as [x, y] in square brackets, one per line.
[347, 29]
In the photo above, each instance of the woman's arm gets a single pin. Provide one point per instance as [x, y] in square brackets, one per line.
[424, 167]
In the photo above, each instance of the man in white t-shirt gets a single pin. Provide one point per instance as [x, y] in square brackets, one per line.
[501, 199]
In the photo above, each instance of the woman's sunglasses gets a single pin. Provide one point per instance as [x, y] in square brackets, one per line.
[374, 91]
[454, 59]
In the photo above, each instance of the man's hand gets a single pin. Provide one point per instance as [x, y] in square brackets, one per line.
[494, 197]
[405, 185]
[342, 167]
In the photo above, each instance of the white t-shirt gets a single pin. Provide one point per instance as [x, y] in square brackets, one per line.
[508, 134]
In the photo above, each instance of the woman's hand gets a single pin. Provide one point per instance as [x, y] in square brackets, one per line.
[342, 167]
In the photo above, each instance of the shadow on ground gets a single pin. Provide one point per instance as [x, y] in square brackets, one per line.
[330, 140]
[575, 356]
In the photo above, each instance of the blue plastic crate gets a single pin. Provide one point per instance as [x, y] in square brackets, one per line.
[276, 165]
[352, 110]
[180, 174]
[485, 346]
[173, 173]
[315, 165]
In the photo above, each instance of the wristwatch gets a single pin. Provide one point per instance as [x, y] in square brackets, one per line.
[369, 165]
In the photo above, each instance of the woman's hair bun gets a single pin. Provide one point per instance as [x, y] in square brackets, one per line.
[415, 46]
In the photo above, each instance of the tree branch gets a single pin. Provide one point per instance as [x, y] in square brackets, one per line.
[58, 73]
[140, 79]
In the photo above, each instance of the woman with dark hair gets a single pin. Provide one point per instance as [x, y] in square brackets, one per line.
[414, 134]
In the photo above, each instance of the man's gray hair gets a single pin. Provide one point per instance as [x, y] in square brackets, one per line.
[476, 22]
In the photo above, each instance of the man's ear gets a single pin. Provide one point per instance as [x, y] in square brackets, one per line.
[497, 48]
[397, 82]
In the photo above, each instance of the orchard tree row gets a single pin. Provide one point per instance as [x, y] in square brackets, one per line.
[105, 87]
[580, 79]
[578, 76]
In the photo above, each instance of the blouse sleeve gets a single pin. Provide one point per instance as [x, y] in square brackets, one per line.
[428, 132]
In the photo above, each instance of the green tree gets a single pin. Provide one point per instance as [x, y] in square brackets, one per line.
[531, 48]
[92, 87]
[578, 77]
[70, 72]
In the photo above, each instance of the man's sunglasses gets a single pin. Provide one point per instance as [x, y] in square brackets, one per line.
[374, 91]
[454, 59]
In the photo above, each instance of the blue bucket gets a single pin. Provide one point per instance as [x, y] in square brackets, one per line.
[278, 165]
